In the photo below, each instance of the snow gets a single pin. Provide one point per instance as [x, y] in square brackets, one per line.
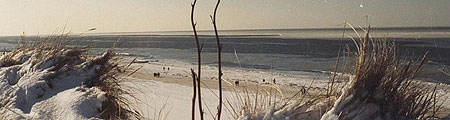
[176, 99]
[36, 87]
[350, 106]
[75, 103]
[175, 103]
[172, 99]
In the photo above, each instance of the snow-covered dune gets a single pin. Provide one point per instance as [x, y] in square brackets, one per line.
[45, 81]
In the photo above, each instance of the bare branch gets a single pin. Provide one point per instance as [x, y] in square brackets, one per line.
[219, 57]
[194, 95]
[199, 59]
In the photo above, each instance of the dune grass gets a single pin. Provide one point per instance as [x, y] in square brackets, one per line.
[41, 49]
[116, 106]
[108, 75]
[268, 101]
[382, 85]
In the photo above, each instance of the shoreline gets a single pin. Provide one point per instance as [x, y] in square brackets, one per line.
[251, 81]
[251, 87]
[178, 75]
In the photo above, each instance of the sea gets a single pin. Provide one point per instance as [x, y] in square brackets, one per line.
[289, 51]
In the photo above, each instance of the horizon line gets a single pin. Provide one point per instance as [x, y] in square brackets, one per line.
[257, 29]
[269, 29]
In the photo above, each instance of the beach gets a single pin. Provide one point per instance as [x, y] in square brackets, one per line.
[172, 92]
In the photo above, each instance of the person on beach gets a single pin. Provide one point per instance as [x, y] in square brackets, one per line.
[164, 68]
[168, 68]
[156, 74]
[274, 81]
[303, 90]
[264, 80]
[236, 83]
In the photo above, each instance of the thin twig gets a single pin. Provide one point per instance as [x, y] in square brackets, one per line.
[199, 50]
[194, 95]
[219, 57]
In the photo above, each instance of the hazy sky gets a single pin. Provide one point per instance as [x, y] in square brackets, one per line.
[46, 16]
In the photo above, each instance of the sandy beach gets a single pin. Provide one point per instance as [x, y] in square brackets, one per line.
[173, 90]
[248, 80]
[171, 93]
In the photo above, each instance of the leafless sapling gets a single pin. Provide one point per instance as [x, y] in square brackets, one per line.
[199, 50]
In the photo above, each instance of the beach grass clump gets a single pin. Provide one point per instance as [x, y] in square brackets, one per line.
[271, 104]
[382, 86]
[115, 106]
[40, 49]
[59, 63]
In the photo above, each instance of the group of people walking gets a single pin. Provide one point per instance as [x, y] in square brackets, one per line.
[273, 81]
[157, 74]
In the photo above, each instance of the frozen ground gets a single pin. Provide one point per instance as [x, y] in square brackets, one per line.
[175, 99]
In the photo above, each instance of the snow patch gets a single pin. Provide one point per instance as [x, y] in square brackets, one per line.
[48, 85]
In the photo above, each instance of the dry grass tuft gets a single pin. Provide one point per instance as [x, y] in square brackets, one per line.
[271, 104]
[251, 104]
[49, 46]
[108, 79]
[383, 81]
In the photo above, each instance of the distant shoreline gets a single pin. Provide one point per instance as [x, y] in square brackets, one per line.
[284, 29]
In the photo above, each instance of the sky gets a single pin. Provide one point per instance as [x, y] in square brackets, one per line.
[78, 16]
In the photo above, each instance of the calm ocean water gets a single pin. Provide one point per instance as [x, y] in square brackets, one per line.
[283, 50]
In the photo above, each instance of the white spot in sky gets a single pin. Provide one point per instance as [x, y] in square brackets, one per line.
[361, 5]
